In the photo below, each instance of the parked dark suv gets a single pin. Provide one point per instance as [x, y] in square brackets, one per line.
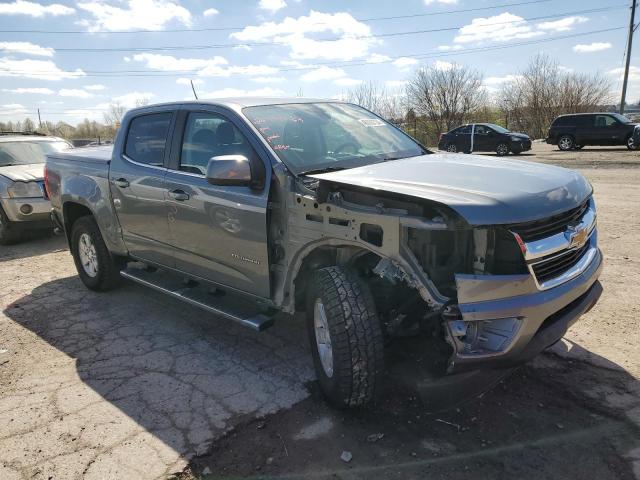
[487, 137]
[577, 130]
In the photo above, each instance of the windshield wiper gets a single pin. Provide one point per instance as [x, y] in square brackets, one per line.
[322, 170]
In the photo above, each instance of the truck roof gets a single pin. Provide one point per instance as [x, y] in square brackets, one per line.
[237, 103]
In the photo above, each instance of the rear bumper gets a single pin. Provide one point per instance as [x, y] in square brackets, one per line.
[38, 211]
[542, 317]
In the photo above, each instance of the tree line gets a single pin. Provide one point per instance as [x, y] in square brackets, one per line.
[438, 98]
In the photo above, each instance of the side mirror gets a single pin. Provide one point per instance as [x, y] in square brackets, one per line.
[230, 170]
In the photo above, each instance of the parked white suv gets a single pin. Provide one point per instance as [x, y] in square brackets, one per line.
[24, 206]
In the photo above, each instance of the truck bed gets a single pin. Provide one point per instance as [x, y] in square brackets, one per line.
[89, 154]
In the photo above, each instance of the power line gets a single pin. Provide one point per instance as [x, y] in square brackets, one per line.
[276, 68]
[332, 39]
[230, 29]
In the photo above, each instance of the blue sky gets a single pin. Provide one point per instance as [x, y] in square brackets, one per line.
[282, 47]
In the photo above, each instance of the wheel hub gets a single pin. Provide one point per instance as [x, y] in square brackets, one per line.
[87, 255]
[323, 337]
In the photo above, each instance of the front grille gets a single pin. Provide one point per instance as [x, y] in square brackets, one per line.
[554, 265]
[532, 231]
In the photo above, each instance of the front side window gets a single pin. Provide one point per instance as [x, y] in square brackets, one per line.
[209, 135]
[25, 153]
[311, 137]
[605, 121]
[147, 138]
[481, 130]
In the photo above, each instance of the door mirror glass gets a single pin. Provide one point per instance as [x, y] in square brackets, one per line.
[229, 170]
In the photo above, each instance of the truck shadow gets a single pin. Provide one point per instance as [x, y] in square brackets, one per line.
[186, 377]
[32, 246]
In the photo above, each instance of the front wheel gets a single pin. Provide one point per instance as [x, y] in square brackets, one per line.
[566, 143]
[97, 267]
[502, 149]
[631, 145]
[345, 336]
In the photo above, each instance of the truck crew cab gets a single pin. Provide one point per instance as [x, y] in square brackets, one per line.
[281, 205]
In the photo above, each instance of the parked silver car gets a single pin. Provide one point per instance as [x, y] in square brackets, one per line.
[24, 205]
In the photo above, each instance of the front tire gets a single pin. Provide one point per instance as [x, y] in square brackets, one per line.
[502, 149]
[566, 143]
[345, 336]
[97, 267]
[631, 144]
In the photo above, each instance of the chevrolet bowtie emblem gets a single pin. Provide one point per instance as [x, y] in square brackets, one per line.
[577, 237]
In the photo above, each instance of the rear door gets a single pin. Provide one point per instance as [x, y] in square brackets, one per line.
[218, 233]
[463, 138]
[137, 182]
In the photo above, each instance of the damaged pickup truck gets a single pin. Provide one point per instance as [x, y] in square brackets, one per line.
[251, 207]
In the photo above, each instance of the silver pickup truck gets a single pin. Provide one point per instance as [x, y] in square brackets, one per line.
[251, 207]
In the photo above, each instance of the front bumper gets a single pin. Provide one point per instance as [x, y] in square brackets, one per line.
[539, 318]
[521, 146]
[38, 208]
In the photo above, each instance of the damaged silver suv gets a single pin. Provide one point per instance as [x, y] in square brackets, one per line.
[250, 207]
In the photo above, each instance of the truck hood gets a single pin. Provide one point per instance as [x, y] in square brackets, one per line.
[23, 173]
[483, 190]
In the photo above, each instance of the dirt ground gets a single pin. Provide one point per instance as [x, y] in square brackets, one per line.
[130, 384]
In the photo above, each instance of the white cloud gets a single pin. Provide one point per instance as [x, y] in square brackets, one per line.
[95, 88]
[634, 73]
[323, 73]
[591, 47]
[40, 69]
[405, 62]
[496, 81]
[447, 48]
[270, 79]
[137, 14]
[14, 106]
[205, 67]
[187, 81]
[238, 92]
[347, 82]
[378, 58]
[22, 7]
[272, 5]
[74, 92]
[130, 100]
[442, 65]
[507, 26]
[562, 25]
[27, 48]
[210, 12]
[34, 91]
[293, 32]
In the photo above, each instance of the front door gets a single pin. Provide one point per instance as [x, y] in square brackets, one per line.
[484, 139]
[607, 130]
[219, 233]
[137, 183]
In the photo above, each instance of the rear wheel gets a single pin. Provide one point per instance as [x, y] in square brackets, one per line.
[566, 143]
[452, 148]
[97, 267]
[345, 336]
[502, 149]
[9, 234]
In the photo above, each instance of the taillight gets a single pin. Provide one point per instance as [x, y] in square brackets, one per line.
[46, 181]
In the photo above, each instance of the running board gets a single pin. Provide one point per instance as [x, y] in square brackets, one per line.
[231, 307]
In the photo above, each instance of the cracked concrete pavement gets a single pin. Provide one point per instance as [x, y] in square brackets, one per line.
[127, 384]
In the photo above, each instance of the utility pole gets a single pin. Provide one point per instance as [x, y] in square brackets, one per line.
[626, 67]
[39, 120]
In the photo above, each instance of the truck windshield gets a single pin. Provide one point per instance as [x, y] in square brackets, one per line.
[25, 153]
[316, 137]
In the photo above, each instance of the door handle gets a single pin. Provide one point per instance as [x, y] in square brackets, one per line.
[179, 195]
[121, 182]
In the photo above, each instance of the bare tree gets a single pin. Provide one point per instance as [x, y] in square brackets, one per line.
[375, 97]
[446, 97]
[543, 91]
[113, 116]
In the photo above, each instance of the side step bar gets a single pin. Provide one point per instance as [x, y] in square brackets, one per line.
[233, 308]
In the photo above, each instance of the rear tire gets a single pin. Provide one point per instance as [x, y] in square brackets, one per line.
[566, 143]
[452, 148]
[9, 234]
[98, 269]
[345, 336]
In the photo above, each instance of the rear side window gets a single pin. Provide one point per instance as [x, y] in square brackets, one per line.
[462, 130]
[147, 138]
[564, 121]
